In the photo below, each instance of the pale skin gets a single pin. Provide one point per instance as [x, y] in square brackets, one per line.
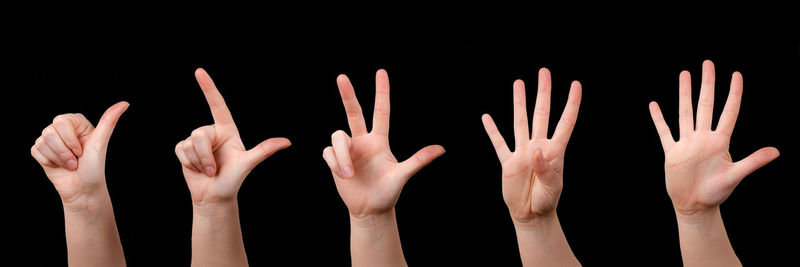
[369, 178]
[533, 174]
[72, 153]
[700, 173]
[215, 162]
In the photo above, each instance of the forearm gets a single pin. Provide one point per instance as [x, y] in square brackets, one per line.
[704, 241]
[92, 237]
[542, 243]
[375, 241]
[217, 236]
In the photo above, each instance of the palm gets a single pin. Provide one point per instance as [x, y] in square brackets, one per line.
[215, 161]
[700, 173]
[367, 175]
[376, 184]
[531, 187]
[226, 182]
[525, 193]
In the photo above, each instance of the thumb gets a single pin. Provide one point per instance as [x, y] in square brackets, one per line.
[107, 123]
[420, 159]
[751, 163]
[543, 170]
[265, 149]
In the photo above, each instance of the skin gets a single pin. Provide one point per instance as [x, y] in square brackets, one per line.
[533, 174]
[369, 178]
[700, 173]
[215, 163]
[72, 153]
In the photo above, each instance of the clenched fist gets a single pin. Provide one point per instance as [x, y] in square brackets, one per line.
[72, 153]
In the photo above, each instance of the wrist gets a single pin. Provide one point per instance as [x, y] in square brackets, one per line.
[373, 220]
[698, 217]
[86, 201]
[215, 209]
[537, 223]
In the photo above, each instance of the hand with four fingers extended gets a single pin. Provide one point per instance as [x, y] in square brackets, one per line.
[368, 176]
[532, 174]
[72, 153]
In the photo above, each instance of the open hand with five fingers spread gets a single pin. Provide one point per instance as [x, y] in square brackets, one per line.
[215, 163]
[369, 178]
[72, 153]
[700, 173]
[532, 174]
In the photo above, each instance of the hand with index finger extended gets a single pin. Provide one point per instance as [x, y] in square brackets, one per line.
[214, 159]
[367, 175]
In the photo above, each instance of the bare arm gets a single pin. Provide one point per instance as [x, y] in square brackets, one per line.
[375, 240]
[532, 174]
[72, 153]
[215, 163]
[369, 178]
[700, 173]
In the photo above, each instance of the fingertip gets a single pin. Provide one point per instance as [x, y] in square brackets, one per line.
[708, 63]
[199, 72]
[684, 74]
[341, 78]
[71, 164]
[576, 84]
[544, 71]
[210, 171]
[519, 83]
[381, 71]
[773, 152]
[286, 142]
[347, 172]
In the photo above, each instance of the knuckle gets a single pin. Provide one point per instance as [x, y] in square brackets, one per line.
[60, 118]
[198, 132]
[187, 145]
[48, 131]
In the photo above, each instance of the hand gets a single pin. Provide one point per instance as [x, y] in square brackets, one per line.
[699, 170]
[367, 175]
[532, 174]
[214, 159]
[72, 153]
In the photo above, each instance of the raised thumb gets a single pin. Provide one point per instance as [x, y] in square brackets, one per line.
[102, 133]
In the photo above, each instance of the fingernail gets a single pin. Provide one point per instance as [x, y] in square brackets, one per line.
[347, 172]
[71, 164]
[210, 171]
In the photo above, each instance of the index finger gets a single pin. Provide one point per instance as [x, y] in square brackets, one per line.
[354, 116]
[219, 110]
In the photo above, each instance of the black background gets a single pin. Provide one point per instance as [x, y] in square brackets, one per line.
[614, 208]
